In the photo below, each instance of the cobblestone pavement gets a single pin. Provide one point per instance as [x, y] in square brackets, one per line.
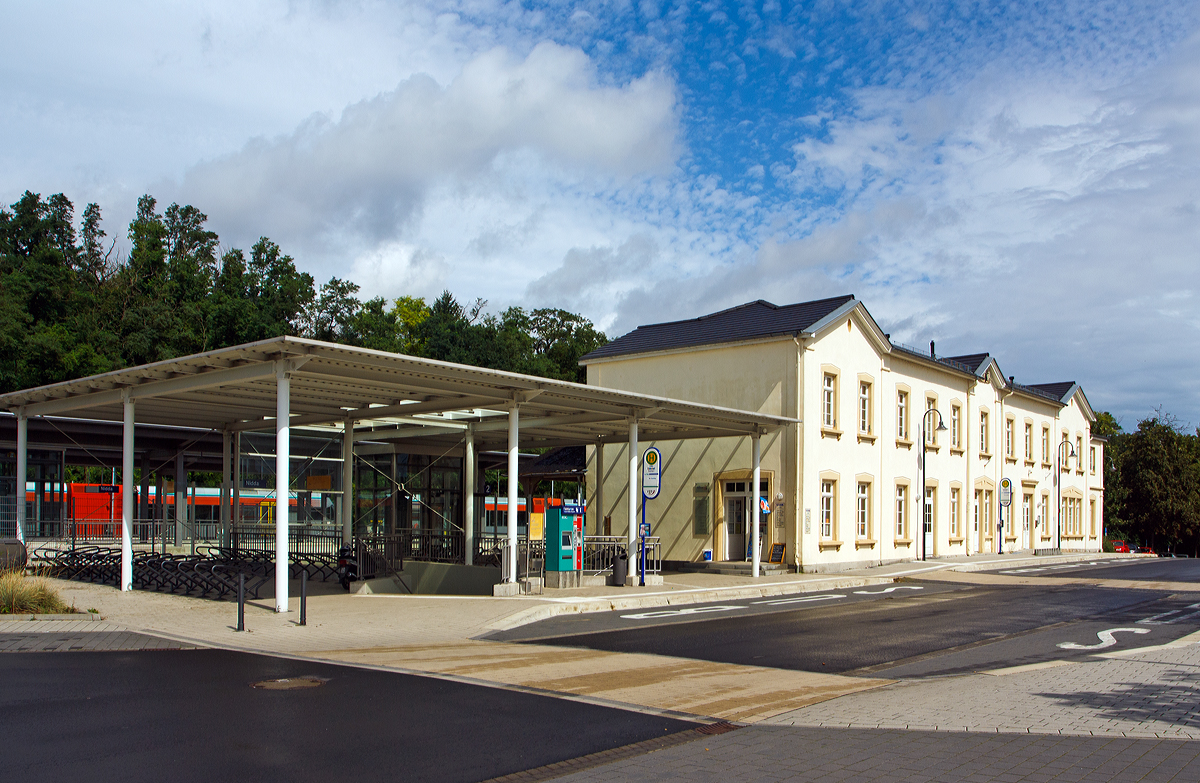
[1150, 693]
[771, 753]
[68, 635]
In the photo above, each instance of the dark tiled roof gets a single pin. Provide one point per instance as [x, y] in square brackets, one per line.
[1056, 390]
[744, 322]
[972, 360]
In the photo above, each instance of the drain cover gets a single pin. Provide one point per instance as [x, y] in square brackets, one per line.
[289, 684]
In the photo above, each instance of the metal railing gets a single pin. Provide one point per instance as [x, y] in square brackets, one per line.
[599, 552]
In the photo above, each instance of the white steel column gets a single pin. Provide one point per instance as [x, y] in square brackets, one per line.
[127, 496]
[235, 511]
[347, 481]
[226, 484]
[635, 496]
[143, 512]
[756, 517]
[514, 484]
[282, 481]
[22, 470]
[180, 496]
[599, 503]
[469, 496]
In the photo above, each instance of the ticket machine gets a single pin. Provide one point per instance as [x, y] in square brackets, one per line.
[564, 545]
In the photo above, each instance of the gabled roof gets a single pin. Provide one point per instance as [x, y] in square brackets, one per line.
[1060, 391]
[744, 322]
[975, 361]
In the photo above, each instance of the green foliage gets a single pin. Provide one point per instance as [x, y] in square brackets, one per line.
[68, 308]
[1152, 484]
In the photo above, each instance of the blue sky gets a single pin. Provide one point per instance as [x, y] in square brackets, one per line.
[1021, 178]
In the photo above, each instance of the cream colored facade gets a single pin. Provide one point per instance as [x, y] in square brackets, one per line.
[844, 485]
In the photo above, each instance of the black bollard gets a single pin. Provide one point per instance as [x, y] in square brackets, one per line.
[241, 602]
[304, 597]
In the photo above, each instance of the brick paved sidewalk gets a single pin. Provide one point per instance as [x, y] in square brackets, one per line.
[771, 753]
[1153, 693]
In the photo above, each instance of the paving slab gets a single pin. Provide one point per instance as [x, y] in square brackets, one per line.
[716, 691]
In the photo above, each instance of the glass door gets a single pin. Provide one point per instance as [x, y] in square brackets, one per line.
[735, 526]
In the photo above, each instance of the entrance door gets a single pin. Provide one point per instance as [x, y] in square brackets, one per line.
[735, 528]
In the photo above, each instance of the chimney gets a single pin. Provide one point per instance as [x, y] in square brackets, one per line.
[932, 353]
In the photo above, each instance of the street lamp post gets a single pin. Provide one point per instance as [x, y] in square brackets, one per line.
[1058, 482]
[941, 427]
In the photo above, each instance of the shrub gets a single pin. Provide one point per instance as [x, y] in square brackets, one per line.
[23, 594]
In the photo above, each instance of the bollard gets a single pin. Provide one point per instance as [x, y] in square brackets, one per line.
[241, 602]
[304, 597]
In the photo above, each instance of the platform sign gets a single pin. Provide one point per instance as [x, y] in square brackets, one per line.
[651, 473]
[1005, 491]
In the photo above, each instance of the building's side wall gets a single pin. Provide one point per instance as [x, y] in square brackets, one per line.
[756, 376]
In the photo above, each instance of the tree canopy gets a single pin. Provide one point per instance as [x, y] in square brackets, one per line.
[1152, 484]
[70, 306]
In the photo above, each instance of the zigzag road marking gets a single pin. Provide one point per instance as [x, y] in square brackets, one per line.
[1106, 639]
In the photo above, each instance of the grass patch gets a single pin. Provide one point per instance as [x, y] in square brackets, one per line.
[24, 594]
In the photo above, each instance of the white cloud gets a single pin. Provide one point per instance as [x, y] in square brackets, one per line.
[339, 186]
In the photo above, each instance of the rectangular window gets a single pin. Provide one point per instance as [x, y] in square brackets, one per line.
[901, 511]
[955, 427]
[1043, 520]
[864, 510]
[1092, 516]
[1010, 447]
[975, 511]
[1092, 460]
[1027, 512]
[826, 509]
[930, 508]
[1064, 453]
[929, 423]
[1028, 441]
[864, 408]
[955, 512]
[984, 443]
[1046, 445]
[1079, 454]
[902, 415]
[829, 398]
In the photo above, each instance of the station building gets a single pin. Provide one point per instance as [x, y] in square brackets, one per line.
[841, 484]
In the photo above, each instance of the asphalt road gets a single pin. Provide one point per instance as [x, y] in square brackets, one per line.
[1158, 569]
[192, 715]
[919, 629]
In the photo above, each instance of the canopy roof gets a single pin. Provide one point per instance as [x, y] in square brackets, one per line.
[391, 396]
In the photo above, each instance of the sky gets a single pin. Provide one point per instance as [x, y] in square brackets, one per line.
[1015, 178]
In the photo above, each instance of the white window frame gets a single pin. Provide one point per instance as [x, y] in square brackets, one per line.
[902, 415]
[955, 426]
[829, 401]
[902, 511]
[863, 518]
[984, 440]
[828, 507]
[955, 511]
[864, 407]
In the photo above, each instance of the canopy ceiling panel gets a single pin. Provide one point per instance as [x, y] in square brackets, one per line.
[393, 396]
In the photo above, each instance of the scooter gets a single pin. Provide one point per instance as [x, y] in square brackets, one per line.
[347, 566]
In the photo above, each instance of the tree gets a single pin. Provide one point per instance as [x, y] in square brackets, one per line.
[1159, 480]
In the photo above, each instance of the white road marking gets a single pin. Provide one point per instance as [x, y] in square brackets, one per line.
[1157, 619]
[1106, 639]
[887, 590]
[678, 612]
[799, 600]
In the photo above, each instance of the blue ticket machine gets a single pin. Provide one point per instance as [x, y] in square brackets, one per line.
[564, 545]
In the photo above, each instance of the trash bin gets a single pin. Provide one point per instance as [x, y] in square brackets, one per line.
[620, 567]
[13, 554]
